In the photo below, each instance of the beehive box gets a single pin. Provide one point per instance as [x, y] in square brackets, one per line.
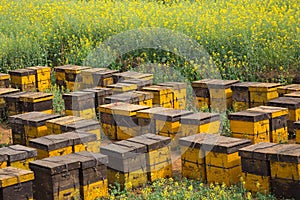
[162, 96]
[23, 79]
[42, 77]
[297, 131]
[60, 75]
[200, 123]
[241, 95]
[262, 93]
[92, 174]
[278, 122]
[201, 91]
[100, 95]
[4, 80]
[54, 125]
[18, 156]
[127, 165]
[80, 104]
[146, 121]
[118, 88]
[56, 178]
[251, 125]
[139, 82]
[73, 76]
[3, 93]
[119, 77]
[16, 184]
[293, 94]
[13, 103]
[282, 90]
[293, 106]
[179, 93]
[87, 77]
[133, 97]
[158, 155]
[104, 78]
[37, 101]
[18, 129]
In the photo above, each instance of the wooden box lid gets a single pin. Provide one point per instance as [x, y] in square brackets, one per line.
[11, 176]
[200, 118]
[18, 152]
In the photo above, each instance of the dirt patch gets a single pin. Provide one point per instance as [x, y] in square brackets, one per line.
[5, 134]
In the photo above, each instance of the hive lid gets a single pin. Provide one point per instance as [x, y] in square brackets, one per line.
[104, 73]
[138, 82]
[88, 159]
[18, 152]
[202, 83]
[293, 94]
[243, 85]
[221, 84]
[5, 91]
[286, 153]
[259, 151]
[171, 115]
[290, 87]
[4, 76]
[125, 109]
[61, 68]
[14, 97]
[75, 68]
[271, 111]
[249, 116]
[12, 176]
[148, 113]
[34, 95]
[151, 141]
[92, 70]
[263, 86]
[200, 118]
[128, 97]
[162, 90]
[119, 151]
[43, 68]
[79, 137]
[80, 125]
[51, 142]
[21, 72]
[174, 85]
[38, 118]
[136, 147]
[214, 143]
[287, 102]
[64, 120]
[78, 96]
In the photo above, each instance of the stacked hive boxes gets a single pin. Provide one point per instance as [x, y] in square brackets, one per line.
[179, 93]
[277, 122]
[262, 93]
[297, 131]
[80, 104]
[139, 82]
[293, 106]
[4, 80]
[282, 90]
[42, 77]
[3, 106]
[251, 125]
[241, 95]
[23, 79]
[54, 125]
[212, 157]
[118, 88]
[162, 96]
[13, 103]
[127, 164]
[158, 155]
[119, 121]
[202, 92]
[134, 97]
[18, 156]
[87, 77]
[200, 123]
[37, 101]
[16, 184]
[104, 78]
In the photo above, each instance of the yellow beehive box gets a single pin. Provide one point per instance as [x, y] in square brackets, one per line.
[37, 101]
[262, 93]
[158, 155]
[297, 130]
[249, 124]
[16, 183]
[179, 93]
[19, 156]
[54, 125]
[51, 145]
[104, 78]
[87, 77]
[282, 90]
[23, 79]
[3, 93]
[42, 77]
[201, 92]
[293, 94]
[278, 122]
[13, 103]
[162, 96]
[4, 80]
[200, 123]
[122, 87]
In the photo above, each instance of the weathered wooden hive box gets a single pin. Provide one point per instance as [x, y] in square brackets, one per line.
[73, 76]
[285, 171]
[146, 121]
[80, 104]
[201, 91]
[104, 78]
[23, 79]
[282, 90]
[293, 94]
[139, 82]
[54, 125]
[18, 156]
[162, 96]
[277, 120]
[119, 77]
[92, 174]
[18, 129]
[126, 164]
[4, 80]
[293, 106]
[56, 178]
[52, 145]
[241, 95]
[158, 155]
[3, 93]
[118, 88]
[251, 125]
[262, 93]
[132, 97]
[16, 184]
[13, 104]
[60, 75]
[297, 131]
[42, 77]
[179, 93]
[37, 101]
[87, 77]
[200, 122]
[256, 166]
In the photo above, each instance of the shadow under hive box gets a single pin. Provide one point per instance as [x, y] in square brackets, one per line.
[119, 77]
[4, 80]
[19, 156]
[54, 125]
[42, 77]
[282, 90]
[37, 101]
[104, 78]
[16, 184]
[118, 88]
[139, 82]
[3, 107]
[241, 95]
[277, 120]
[201, 91]
[262, 93]
[162, 96]
[92, 174]
[200, 123]
[293, 106]
[56, 178]
[285, 173]
[80, 104]
[23, 79]
[13, 103]
[256, 166]
[87, 77]
[127, 164]
[133, 97]
[179, 93]
[250, 125]
[297, 131]
[158, 155]
[294, 95]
